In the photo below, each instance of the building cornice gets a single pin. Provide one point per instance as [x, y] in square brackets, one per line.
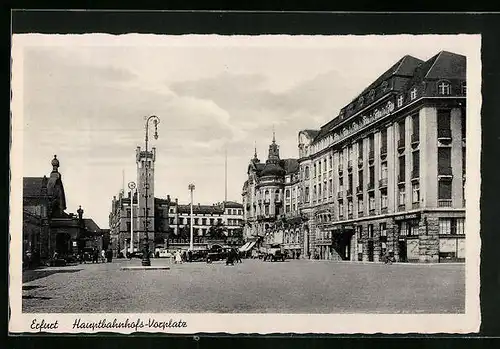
[364, 128]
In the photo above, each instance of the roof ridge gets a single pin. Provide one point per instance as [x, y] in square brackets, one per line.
[433, 63]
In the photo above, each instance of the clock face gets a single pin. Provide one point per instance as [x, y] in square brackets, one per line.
[131, 185]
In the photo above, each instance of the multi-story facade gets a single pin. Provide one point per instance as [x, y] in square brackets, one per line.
[47, 228]
[271, 201]
[172, 223]
[388, 173]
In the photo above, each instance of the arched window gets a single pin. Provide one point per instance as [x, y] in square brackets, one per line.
[266, 195]
[444, 88]
[287, 193]
[307, 172]
[277, 195]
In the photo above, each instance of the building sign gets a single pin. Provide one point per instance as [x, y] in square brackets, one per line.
[407, 217]
[74, 243]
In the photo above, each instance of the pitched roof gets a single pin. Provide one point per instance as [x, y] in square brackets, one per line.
[404, 67]
[444, 65]
[290, 165]
[91, 225]
[32, 186]
[448, 65]
[233, 204]
[200, 209]
[311, 133]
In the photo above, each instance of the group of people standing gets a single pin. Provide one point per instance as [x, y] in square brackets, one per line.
[95, 257]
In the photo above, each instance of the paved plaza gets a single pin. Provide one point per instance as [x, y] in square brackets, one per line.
[295, 286]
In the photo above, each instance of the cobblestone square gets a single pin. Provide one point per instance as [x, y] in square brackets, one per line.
[254, 286]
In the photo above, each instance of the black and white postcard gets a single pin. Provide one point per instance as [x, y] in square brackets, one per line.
[245, 184]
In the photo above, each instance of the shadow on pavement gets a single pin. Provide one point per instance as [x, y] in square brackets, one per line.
[30, 275]
[37, 297]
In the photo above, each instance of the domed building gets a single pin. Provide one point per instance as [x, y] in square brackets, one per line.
[270, 201]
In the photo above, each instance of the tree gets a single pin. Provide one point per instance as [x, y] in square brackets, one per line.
[217, 231]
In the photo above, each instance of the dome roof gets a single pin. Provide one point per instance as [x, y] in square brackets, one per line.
[272, 169]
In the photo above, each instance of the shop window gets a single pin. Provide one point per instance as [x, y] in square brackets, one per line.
[445, 226]
[460, 226]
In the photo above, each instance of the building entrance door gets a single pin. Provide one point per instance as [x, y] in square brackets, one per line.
[370, 251]
[402, 249]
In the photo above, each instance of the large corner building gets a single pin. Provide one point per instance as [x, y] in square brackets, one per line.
[386, 174]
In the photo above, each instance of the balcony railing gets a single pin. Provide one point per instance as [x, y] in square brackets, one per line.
[359, 189]
[401, 143]
[445, 171]
[383, 151]
[415, 138]
[267, 201]
[371, 155]
[382, 183]
[339, 195]
[444, 202]
[444, 134]
[349, 192]
[340, 168]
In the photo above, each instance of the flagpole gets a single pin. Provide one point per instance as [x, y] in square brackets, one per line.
[225, 176]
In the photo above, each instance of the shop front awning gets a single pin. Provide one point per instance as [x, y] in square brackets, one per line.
[243, 248]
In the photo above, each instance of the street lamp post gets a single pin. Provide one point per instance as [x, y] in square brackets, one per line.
[191, 189]
[145, 255]
[131, 186]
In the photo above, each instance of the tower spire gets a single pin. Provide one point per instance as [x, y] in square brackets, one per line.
[255, 149]
[274, 135]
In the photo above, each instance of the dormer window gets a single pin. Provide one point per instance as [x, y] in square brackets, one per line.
[384, 86]
[413, 93]
[464, 88]
[400, 100]
[444, 88]
[371, 95]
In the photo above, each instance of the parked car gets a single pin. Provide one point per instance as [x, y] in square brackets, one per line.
[274, 254]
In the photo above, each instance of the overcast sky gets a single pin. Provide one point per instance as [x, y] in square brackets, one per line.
[85, 98]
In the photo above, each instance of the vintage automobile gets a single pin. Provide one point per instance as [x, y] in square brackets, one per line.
[274, 254]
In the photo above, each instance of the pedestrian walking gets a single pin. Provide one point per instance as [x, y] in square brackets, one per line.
[178, 258]
[103, 256]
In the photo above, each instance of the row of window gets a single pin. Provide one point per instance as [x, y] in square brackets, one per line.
[447, 226]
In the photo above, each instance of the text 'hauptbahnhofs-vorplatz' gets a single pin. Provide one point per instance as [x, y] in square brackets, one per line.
[387, 175]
